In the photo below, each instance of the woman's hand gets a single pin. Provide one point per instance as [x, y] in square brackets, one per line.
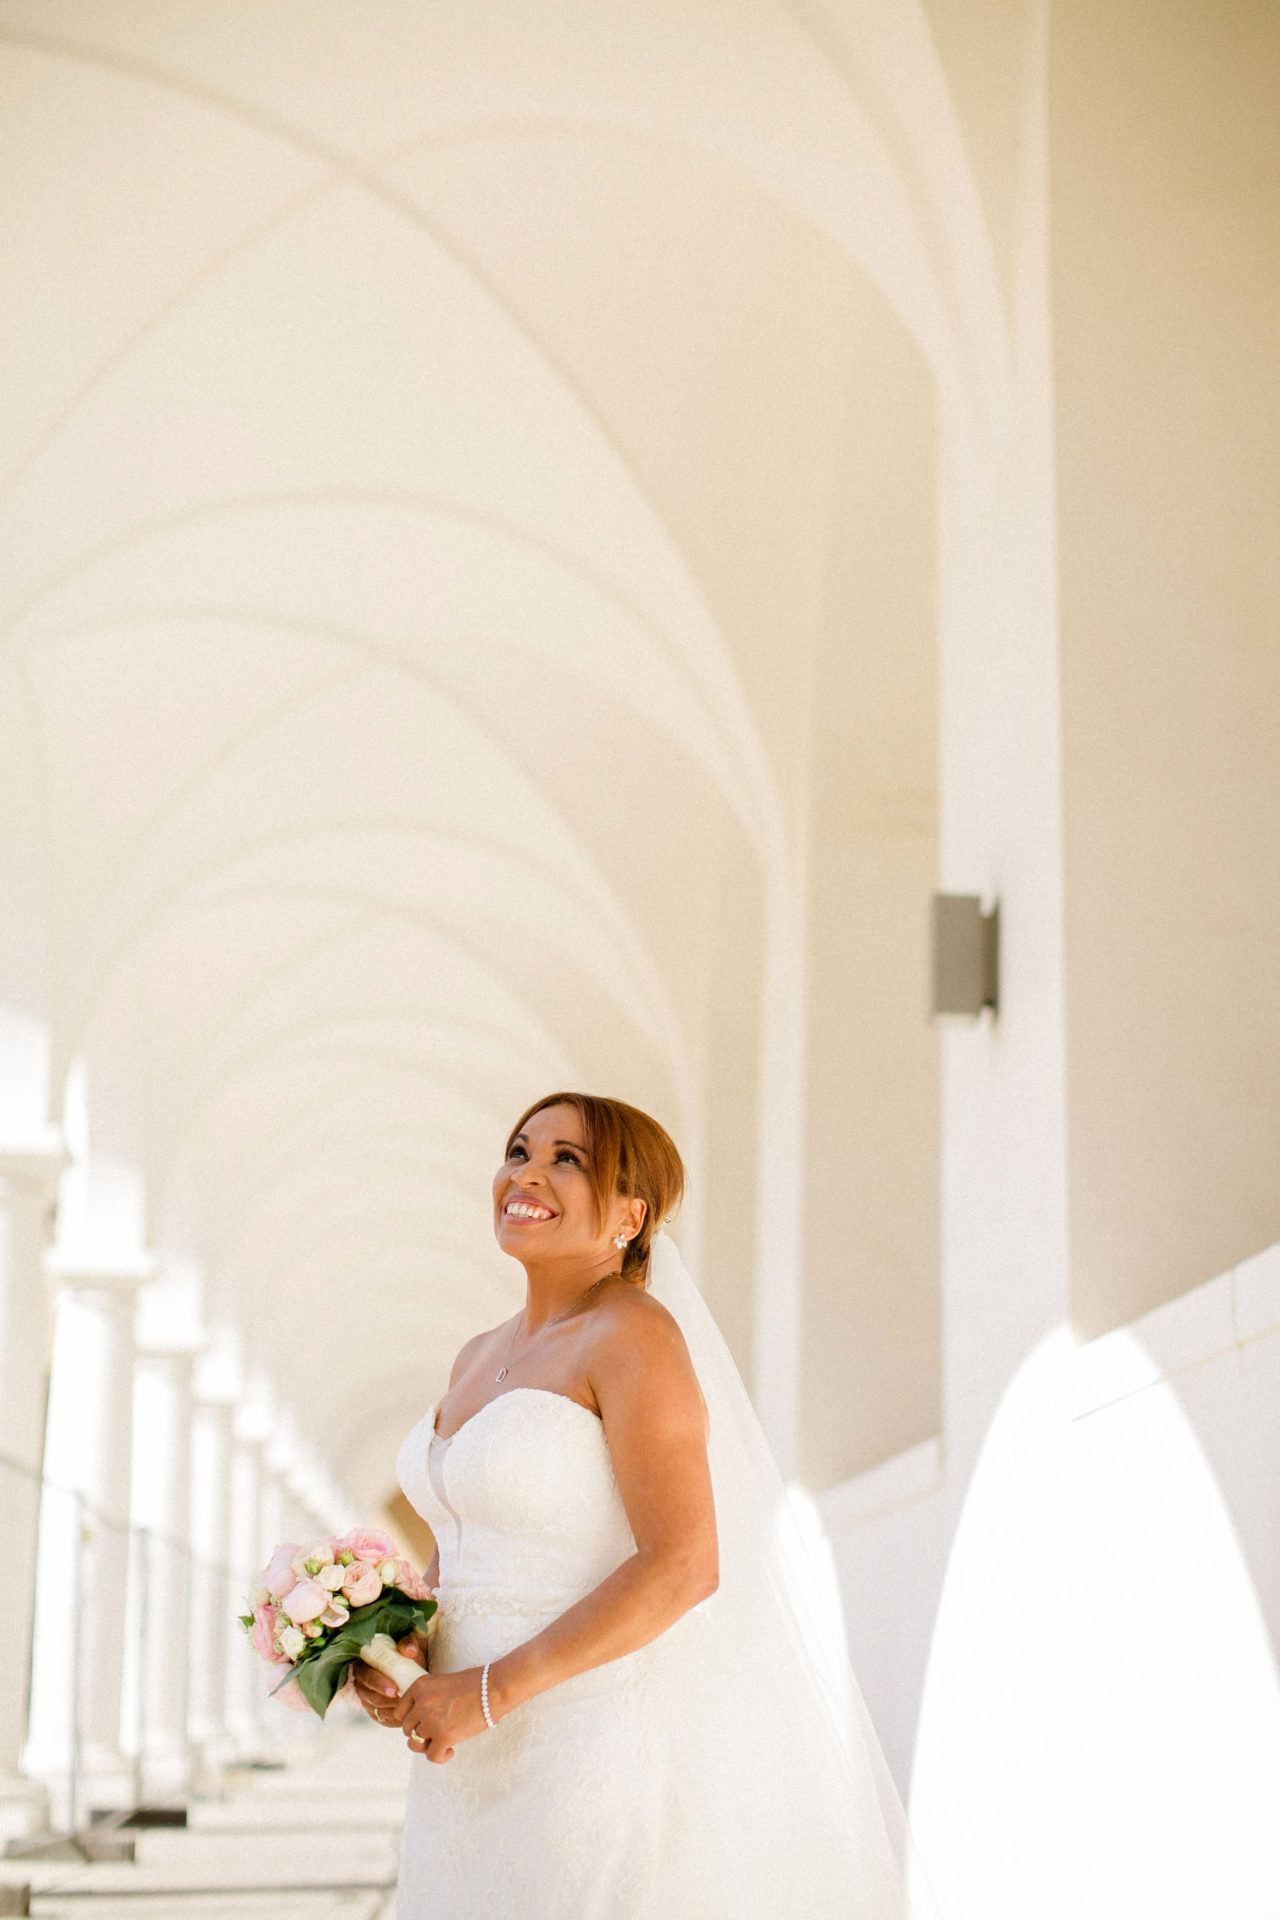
[439, 1712]
[376, 1694]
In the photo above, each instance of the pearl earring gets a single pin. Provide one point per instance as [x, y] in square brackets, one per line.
[620, 1241]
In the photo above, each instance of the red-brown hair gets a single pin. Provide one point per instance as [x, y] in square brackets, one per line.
[628, 1153]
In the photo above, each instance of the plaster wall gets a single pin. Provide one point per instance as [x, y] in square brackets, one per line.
[1164, 130]
[1092, 1679]
[871, 1293]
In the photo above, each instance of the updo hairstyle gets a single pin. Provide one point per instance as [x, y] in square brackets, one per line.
[627, 1153]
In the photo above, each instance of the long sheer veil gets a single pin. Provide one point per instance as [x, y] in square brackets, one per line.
[784, 1771]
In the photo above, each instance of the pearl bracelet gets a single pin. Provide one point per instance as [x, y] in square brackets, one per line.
[484, 1695]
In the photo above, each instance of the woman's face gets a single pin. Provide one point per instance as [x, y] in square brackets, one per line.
[543, 1204]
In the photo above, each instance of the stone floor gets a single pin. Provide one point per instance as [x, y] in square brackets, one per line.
[316, 1840]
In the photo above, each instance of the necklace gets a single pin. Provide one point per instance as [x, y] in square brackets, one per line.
[503, 1371]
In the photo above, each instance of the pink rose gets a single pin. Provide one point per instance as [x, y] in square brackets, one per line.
[367, 1544]
[306, 1601]
[360, 1584]
[280, 1576]
[411, 1582]
[292, 1696]
[263, 1637]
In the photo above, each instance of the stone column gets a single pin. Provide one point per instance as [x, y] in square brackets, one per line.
[214, 1599]
[167, 1651]
[277, 1514]
[776, 1343]
[28, 1184]
[245, 1682]
[310, 1526]
[298, 1524]
[273, 1513]
[99, 1456]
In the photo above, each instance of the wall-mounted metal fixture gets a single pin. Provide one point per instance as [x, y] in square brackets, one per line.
[966, 957]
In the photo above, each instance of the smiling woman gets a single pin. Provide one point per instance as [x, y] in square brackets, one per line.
[617, 1736]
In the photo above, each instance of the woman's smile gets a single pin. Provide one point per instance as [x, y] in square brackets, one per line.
[519, 1208]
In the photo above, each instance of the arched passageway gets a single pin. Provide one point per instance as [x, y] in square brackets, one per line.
[528, 554]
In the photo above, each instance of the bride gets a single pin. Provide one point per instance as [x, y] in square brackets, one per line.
[628, 1711]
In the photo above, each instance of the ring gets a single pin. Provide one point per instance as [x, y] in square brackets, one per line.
[418, 1737]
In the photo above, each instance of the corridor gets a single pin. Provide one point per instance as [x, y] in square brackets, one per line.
[561, 546]
[314, 1839]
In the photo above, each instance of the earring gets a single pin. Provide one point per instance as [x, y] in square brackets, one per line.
[620, 1241]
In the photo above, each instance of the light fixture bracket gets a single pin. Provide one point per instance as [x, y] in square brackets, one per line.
[965, 972]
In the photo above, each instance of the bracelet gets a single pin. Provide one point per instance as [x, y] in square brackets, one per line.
[484, 1695]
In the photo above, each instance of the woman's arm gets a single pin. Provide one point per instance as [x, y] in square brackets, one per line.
[655, 1424]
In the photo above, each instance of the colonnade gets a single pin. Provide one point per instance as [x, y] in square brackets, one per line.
[138, 1494]
[533, 580]
[28, 1182]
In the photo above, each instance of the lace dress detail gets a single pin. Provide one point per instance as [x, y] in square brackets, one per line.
[576, 1806]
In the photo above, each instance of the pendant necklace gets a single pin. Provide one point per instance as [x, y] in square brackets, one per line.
[503, 1371]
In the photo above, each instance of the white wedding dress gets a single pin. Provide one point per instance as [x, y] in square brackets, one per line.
[702, 1777]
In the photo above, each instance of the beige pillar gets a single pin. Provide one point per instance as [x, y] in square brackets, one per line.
[273, 1511]
[167, 1653]
[776, 1350]
[245, 1680]
[213, 1599]
[28, 1183]
[300, 1523]
[103, 1457]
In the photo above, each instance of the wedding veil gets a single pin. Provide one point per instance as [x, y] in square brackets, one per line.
[782, 1766]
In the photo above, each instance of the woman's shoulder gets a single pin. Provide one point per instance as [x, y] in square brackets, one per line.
[637, 1343]
[629, 1320]
[627, 1306]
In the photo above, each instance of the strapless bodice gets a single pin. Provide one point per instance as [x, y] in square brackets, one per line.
[523, 1503]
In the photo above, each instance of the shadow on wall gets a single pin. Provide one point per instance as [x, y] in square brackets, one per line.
[1100, 1731]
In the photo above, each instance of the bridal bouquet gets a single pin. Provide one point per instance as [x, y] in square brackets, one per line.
[317, 1609]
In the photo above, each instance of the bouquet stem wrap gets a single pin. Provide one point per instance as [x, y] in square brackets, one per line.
[382, 1655]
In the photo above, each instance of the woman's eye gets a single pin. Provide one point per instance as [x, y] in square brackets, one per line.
[571, 1158]
[517, 1153]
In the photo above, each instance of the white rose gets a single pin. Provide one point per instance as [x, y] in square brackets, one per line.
[258, 1596]
[291, 1641]
[387, 1573]
[321, 1553]
[331, 1576]
[335, 1615]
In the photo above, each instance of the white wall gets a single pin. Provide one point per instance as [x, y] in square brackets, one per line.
[1094, 1705]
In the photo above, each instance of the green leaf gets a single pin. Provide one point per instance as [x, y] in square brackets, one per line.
[322, 1674]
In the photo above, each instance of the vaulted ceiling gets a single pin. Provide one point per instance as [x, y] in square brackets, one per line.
[418, 502]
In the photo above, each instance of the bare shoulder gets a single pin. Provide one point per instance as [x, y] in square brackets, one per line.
[635, 1345]
[628, 1317]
